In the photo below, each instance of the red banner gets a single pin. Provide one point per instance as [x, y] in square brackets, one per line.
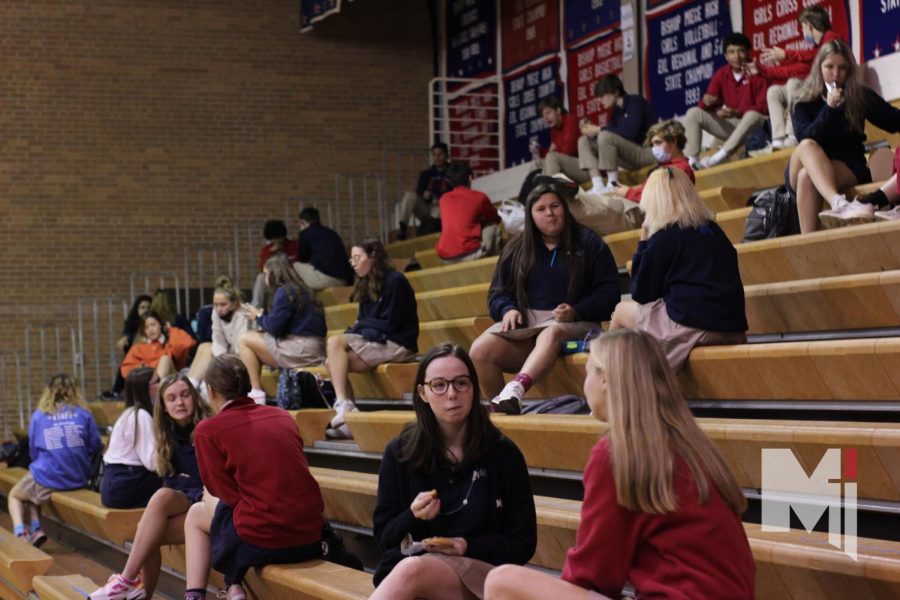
[588, 65]
[771, 23]
[474, 128]
[530, 30]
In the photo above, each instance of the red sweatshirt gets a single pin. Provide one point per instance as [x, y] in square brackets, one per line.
[796, 63]
[463, 212]
[291, 248]
[565, 137]
[634, 193]
[696, 552]
[746, 93]
[251, 458]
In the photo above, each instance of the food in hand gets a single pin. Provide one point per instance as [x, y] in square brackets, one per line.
[439, 541]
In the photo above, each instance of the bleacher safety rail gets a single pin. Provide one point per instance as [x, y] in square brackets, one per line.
[206, 278]
[102, 318]
[294, 204]
[369, 187]
[161, 277]
[45, 357]
[466, 114]
[248, 239]
[11, 384]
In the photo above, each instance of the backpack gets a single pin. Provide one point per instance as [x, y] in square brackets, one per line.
[774, 214]
[300, 389]
[563, 405]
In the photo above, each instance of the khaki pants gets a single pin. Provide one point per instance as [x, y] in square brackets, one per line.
[606, 213]
[556, 162]
[779, 99]
[733, 130]
[609, 151]
[316, 280]
[413, 204]
[490, 242]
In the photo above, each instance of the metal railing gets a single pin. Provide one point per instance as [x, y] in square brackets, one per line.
[363, 193]
[104, 331]
[248, 239]
[207, 255]
[46, 345]
[466, 113]
[294, 204]
[11, 384]
[161, 278]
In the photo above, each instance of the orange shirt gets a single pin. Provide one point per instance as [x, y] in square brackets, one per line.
[147, 354]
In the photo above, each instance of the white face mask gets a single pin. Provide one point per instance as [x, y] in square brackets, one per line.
[660, 154]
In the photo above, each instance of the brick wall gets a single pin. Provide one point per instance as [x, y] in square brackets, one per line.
[133, 129]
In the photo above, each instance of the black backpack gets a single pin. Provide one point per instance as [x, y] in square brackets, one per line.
[300, 389]
[774, 214]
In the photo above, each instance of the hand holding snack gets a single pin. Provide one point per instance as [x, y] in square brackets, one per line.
[426, 505]
[451, 546]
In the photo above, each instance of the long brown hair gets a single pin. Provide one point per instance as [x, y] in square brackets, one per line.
[521, 250]
[165, 427]
[369, 287]
[283, 275]
[137, 396]
[650, 425]
[854, 92]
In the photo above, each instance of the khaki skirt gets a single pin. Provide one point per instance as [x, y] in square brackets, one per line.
[471, 572]
[538, 320]
[295, 350]
[374, 354]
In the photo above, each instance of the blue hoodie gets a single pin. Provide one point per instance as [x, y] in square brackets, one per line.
[61, 447]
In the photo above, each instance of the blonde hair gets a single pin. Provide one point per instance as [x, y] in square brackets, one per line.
[225, 287]
[61, 390]
[669, 198]
[814, 85]
[165, 427]
[650, 425]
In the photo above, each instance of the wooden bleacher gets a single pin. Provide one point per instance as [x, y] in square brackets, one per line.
[106, 413]
[312, 580]
[64, 587]
[20, 562]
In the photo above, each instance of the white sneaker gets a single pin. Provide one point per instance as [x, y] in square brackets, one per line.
[257, 396]
[849, 213]
[710, 161]
[767, 149]
[888, 215]
[509, 399]
[789, 142]
[341, 407]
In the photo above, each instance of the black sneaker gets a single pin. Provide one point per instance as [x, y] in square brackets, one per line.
[506, 406]
[109, 396]
[37, 538]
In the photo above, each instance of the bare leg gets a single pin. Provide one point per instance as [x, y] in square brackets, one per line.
[253, 352]
[624, 316]
[161, 523]
[16, 504]
[493, 355]
[547, 347]
[809, 202]
[512, 582]
[341, 361]
[421, 577]
[165, 367]
[201, 361]
[196, 540]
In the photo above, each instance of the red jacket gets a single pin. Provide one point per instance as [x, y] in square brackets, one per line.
[634, 193]
[463, 213]
[147, 354]
[695, 552]
[747, 93]
[796, 63]
[251, 458]
[565, 137]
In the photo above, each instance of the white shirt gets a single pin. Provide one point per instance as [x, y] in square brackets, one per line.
[123, 450]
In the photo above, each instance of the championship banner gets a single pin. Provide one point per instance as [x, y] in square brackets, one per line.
[474, 129]
[683, 49]
[471, 38]
[880, 27]
[530, 29]
[771, 23]
[586, 18]
[524, 91]
[312, 11]
[588, 65]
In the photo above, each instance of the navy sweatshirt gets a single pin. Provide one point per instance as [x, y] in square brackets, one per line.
[632, 120]
[548, 282]
[324, 249]
[186, 478]
[695, 271]
[498, 520]
[285, 319]
[392, 316]
[830, 128]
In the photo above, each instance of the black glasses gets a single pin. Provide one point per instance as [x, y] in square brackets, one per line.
[439, 386]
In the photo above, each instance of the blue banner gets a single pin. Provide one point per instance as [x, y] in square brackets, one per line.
[524, 91]
[316, 10]
[586, 18]
[683, 50]
[880, 27]
[471, 38]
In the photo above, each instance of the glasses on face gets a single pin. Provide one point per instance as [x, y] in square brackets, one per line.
[439, 386]
[355, 259]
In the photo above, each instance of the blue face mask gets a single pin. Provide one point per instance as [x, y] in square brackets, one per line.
[660, 154]
[808, 38]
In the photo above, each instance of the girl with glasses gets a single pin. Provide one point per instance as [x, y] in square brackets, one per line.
[454, 482]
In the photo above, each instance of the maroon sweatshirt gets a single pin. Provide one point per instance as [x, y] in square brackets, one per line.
[251, 458]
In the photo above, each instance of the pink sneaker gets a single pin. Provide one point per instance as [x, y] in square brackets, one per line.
[119, 588]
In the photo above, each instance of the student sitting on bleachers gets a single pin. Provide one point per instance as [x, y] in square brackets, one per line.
[454, 482]
[469, 221]
[62, 440]
[164, 305]
[661, 507]
[734, 104]
[386, 328]
[686, 288]
[322, 257]
[619, 144]
[829, 120]
[139, 308]
[129, 473]
[276, 235]
[562, 156]
[293, 333]
[270, 507]
[887, 195]
[175, 416]
[161, 346]
[423, 202]
[555, 281]
[619, 209]
[229, 323]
